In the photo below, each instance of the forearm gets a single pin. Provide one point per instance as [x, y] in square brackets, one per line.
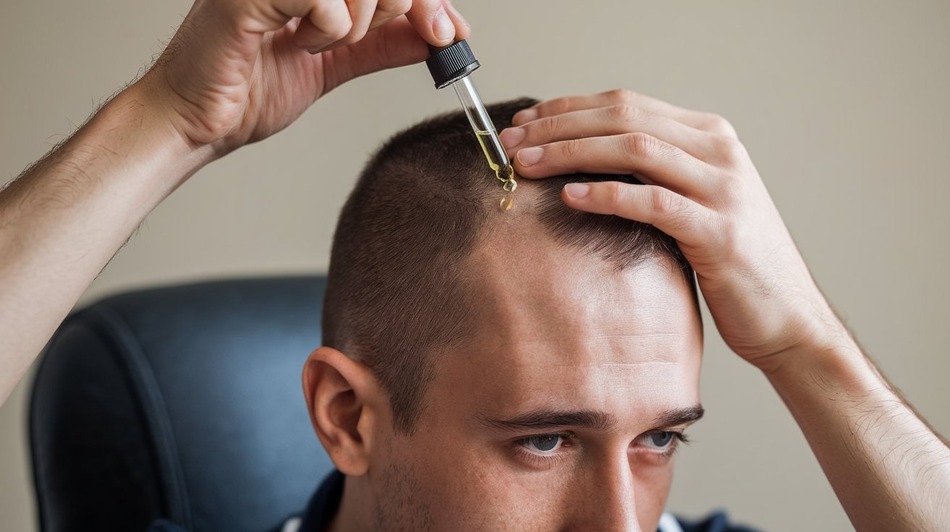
[64, 219]
[888, 468]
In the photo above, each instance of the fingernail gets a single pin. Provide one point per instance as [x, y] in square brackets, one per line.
[442, 26]
[576, 190]
[529, 156]
[525, 115]
[512, 137]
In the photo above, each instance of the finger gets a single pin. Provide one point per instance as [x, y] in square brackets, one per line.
[696, 119]
[387, 10]
[328, 22]
[613, 120]
[683, 219]
[432, 21]
[361, 15]
[393, 45]
[650, 158]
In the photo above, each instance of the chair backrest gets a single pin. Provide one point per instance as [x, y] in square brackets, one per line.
[181, 403]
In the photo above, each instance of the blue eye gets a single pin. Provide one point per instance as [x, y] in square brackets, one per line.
[661, 439]
[543, 444]
[665, 440]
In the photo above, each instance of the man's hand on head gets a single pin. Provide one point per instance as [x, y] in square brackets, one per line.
[238, 71]
[702, 189]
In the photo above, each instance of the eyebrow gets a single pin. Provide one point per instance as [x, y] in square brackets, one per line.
[586, 419]
[550, 419]
[679, 416]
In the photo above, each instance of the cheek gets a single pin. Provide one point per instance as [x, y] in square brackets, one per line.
[651, 491]
[479, 488]
[468, 487]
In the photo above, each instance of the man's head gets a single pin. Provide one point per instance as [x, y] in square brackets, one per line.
[492, 368]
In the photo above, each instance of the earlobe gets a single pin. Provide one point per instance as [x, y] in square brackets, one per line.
[342, 396]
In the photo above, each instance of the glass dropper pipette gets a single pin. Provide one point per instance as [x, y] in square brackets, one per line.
[452, 65]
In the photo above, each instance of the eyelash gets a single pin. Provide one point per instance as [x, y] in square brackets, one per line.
[568, 440]
[678, 438]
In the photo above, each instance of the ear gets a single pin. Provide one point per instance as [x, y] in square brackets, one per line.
[343, 397]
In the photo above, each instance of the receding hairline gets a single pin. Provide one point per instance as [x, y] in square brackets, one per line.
[522, 227]
[537, 204]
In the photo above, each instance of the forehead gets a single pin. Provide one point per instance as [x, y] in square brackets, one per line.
[560, 329]
[529, 287]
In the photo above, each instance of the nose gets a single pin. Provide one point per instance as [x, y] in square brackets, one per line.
[606, 497]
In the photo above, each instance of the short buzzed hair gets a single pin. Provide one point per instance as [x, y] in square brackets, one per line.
[396, 288]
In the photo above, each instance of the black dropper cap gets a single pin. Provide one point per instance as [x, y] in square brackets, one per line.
[450, 63]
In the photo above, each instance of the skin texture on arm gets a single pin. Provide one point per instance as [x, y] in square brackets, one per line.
[64, 219]
[237, 71]
[888, 468]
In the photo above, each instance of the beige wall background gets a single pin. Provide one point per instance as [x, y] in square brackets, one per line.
[843, 105]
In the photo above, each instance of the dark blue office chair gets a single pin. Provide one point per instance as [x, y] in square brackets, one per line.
[182, 403]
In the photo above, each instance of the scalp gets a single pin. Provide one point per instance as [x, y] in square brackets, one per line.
[399, 288]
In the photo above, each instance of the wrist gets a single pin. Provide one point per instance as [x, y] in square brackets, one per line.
[161, 126]
[806, 331]
[830, 364]
[130, 148]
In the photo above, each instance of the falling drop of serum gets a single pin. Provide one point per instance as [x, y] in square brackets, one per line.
[507, 177]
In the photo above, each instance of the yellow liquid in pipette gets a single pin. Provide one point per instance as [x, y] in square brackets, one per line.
[506, 177]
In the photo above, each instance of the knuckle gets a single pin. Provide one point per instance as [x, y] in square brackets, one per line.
[570, 148]
[621, 96]
[639, 145]
[670, 207]
[333, 20]
[624, 113]
[731, 151]
[555, 107]
[615, 196]
[549, 127]
[335, 30]
[663, 202]
[717, 124]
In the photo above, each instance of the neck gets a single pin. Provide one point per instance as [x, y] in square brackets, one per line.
[354, 510]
